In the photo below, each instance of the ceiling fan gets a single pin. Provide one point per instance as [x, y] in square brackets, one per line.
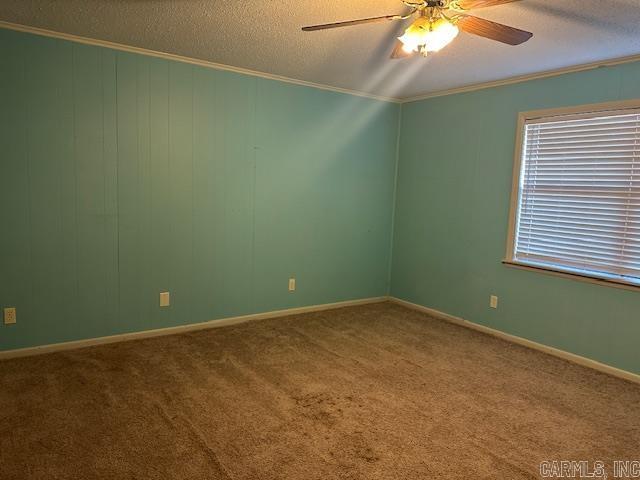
[437, 23]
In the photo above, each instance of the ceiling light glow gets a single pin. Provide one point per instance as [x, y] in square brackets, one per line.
[426, 36]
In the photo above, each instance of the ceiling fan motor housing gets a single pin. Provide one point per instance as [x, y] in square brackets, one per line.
[445, 18]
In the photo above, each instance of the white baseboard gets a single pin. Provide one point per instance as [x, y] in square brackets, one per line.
[571, 357]
[223, 322]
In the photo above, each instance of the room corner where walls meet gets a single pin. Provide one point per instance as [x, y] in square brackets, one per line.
[451, 216]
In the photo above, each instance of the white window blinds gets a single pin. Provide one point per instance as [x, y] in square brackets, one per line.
[579, 198]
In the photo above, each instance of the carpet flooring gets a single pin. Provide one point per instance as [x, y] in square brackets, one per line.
[368, 392]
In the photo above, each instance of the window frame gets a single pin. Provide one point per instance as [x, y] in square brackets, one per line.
[566, 272]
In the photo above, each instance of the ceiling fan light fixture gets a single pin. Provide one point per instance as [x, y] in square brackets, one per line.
[437, 23]
[428, 36]
[415, 35]
[441, 35]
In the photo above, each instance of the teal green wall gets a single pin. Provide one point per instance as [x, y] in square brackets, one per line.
[122, 176]
[452, 207]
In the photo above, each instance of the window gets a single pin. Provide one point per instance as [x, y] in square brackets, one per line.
[576, 195]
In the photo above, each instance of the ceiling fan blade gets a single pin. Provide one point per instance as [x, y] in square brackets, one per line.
[352, 22]
[471, 4]
[493, 30]
[399, 52]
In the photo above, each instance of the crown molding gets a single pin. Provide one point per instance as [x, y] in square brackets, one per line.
[525, 78]
[279, 78]
[193, 61]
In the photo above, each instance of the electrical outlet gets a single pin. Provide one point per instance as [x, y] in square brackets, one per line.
[292, 284]
[493, 301]
[9, 316]
[165, 299]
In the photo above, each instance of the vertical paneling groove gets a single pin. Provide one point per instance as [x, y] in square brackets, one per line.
[15, 217]
[194, 299]
[105, 225]
[128, 175]
[169, 181]
[25, 105]
[117, 187]
[67, 268]
[255, 147]
[181, 151]
[110, 146]
[74, 159]
[149, 272]
[159, 168]
[144, 189]
[128, 190]
[137, 199]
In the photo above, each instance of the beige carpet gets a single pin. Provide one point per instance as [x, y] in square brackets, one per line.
[372, 392]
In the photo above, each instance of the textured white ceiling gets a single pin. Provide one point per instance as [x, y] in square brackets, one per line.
[264, 35]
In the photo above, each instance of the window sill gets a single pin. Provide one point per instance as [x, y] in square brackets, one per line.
[609, 282]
